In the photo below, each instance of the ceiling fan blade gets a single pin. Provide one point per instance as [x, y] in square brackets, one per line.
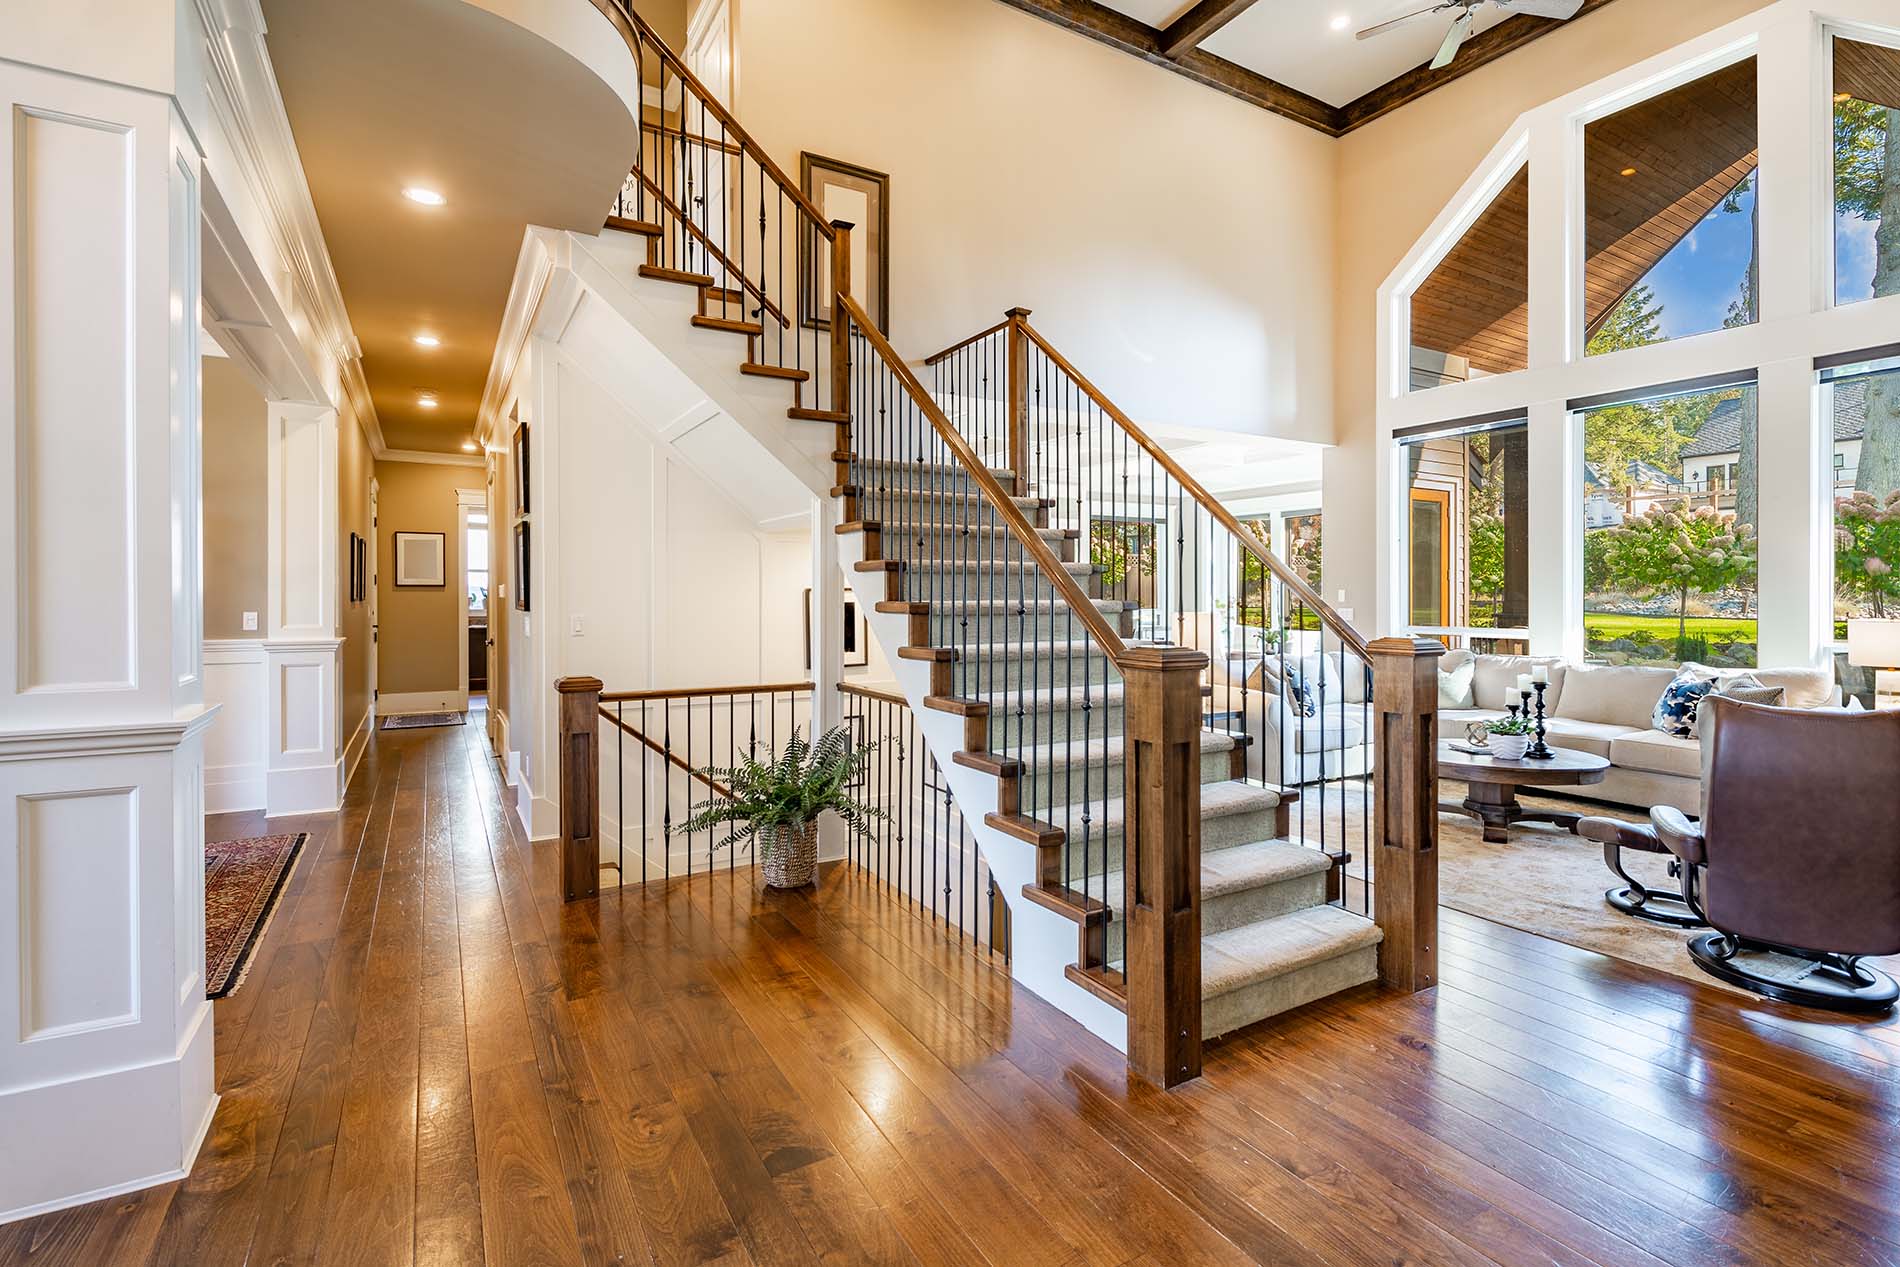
[1382, 27]
[1558, 9]
[1454, 40]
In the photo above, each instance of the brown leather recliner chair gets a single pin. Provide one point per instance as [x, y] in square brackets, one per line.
[1796, 862]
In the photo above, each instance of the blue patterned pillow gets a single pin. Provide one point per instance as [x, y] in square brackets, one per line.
[1300, 698]
[1675, 711]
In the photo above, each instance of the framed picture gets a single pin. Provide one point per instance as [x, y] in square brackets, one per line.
[521, 460]
[846, 191]
[421, 560]
[353, 576]
[857, 634]
[522, 556]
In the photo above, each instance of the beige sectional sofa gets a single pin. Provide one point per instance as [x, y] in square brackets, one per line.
[1606, 710]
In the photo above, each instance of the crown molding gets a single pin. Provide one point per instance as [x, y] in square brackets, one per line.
[430, 459]
[245, 105]
[541, 299]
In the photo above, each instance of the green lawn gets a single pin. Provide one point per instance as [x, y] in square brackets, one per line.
[1600, 627]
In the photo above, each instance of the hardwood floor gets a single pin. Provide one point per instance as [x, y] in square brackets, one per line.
[434, 1061]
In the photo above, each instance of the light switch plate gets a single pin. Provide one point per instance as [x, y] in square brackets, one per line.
[250, 621]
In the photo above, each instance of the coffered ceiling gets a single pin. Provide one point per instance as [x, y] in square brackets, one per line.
[511, 131]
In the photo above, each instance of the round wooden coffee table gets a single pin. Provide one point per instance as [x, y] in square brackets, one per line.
[1492, 787]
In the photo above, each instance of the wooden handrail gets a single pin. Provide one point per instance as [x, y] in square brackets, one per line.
[872, 692]
[955, 348]
[694, 692]
[624, 10]
[718, 788]
[1000, 501]
[1301, 590]
[746, 283]
[694, 138]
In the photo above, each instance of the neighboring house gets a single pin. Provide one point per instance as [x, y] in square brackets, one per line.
[1711, 462]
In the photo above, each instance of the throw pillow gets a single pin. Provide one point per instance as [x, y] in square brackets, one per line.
[1746, 688]
[1676, 708]
[1300, 698]
[1454, 685]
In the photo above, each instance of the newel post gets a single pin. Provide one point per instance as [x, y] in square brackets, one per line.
[840, 321]
[1162, 900]
[578, 728]
[1405, 809]
[1019, 397]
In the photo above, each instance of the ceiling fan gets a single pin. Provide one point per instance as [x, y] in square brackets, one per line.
[1466, 10]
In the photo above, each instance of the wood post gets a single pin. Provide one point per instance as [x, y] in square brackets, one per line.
[1019, 398]
[840, 323]
[1162, 901]
[1404, 859]
[579, 739]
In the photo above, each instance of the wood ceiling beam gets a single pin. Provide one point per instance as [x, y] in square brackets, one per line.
[1137, 38]
[1205, 18]
[1506, 37]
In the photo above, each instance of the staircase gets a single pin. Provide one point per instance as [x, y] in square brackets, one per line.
[1163, 887]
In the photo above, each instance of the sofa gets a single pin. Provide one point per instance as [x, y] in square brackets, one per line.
[1293, 747]
[1607, 710]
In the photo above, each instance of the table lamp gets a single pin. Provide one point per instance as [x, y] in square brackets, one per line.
[1875, 644]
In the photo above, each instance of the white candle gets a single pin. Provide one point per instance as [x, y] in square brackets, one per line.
[1540, 673]
[1523, 684]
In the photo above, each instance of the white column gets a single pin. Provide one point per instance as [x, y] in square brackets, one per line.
[1555, 522]
[105, 1034]
[1795, 506]
[301, 644]
[827, 640]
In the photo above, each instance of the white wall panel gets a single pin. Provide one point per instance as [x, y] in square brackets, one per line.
[78, 890]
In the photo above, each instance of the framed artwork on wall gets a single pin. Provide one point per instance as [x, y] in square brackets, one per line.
[355, 580]
[521, 459]
[846, 191]
[857, 634]
[522, 555]
[421, 560]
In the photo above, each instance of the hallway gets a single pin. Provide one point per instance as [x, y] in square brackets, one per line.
[435, 1062]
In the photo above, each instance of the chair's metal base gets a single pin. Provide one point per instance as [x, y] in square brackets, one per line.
[1839, 983]
[1658, 906]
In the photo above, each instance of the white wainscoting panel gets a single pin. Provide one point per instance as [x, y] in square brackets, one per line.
[79, 885]
[237, 746]
[305, 746]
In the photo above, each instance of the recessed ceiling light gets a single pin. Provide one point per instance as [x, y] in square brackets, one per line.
[1628, 171]
[468, 446]
[1341, 21]
[427, 197]
[428, 341]
[426, 401]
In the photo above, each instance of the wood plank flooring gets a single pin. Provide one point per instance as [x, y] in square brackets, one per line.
[436, 1062]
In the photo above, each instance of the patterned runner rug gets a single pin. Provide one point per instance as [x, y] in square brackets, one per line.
[417, 721]
[243, 881]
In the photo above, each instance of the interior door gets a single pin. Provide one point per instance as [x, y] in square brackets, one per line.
[1430, 549]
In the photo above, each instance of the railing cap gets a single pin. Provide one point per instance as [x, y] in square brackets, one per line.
[578, 685]
[1149, 655]
[1016, 314]
[1406, 645]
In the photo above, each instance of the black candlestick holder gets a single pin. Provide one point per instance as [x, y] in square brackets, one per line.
[1539, 750]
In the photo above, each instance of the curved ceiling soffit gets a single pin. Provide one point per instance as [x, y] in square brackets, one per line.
[581, 31]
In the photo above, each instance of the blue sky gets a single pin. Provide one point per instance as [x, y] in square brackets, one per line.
[1853, 258]
[1703, 273]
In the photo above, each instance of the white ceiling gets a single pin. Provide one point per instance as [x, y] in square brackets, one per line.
[1292, 41]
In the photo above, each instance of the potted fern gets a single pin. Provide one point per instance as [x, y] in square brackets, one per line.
[778, 802]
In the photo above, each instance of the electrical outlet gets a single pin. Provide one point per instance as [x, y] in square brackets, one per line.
[250, 621]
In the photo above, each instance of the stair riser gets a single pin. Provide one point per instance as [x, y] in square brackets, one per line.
[898, 540]
[902, 506]
[929, 483]
[1224, 832]
[996, 676]
[1087, 778]
[1051, 725]
[1228, 1012]
[1248, 906]
[984, 582]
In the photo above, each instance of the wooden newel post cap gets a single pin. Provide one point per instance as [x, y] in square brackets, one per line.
[844, 225]
[1017, 314]
[578, 685]
[1154, 657]
[1406, 645]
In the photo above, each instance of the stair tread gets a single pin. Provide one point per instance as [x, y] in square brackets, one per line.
[1245, 867]
[1034, 606]
[924, 469]
[1269, 948]
[1000, 651]
[1062, 753]
[656, 273]
[1218, 800]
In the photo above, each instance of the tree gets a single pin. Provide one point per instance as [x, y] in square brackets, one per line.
[1866, 541]
[1867, 185]
[1664, 551]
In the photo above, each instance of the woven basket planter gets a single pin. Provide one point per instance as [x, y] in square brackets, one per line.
[789, 855]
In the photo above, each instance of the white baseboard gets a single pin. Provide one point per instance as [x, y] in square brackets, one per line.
[311, 789]
[100, 1135]
[397, 703]
[357, 745]
[230, 788]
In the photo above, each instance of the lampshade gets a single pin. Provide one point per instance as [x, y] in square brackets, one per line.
[1874, 644]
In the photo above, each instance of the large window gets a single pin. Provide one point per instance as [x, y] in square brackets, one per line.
[1670, 506]
[1866, 171]
[475, 550]
[1126, 550]
[1468, 529]
[1470, 317]
[1866, 461]
[1669, 193]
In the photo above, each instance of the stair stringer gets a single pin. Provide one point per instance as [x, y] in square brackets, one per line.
[1042, 943]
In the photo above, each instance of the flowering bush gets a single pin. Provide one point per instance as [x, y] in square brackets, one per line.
[1676, 552]
[1866, 548]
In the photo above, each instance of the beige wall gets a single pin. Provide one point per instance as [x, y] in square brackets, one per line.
[1174, 242]
[354, 467]
[419, 628]
[235, 501]
[1424, 152]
